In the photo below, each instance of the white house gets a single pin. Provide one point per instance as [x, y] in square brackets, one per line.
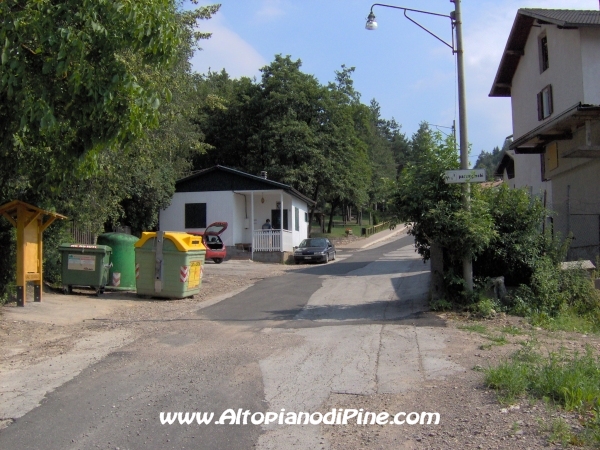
[550, 69]
[245, 202]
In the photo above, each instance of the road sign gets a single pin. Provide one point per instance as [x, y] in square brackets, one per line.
[465, 176]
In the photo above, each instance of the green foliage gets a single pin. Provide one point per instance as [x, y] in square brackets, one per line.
[440, 305]
[518, 241]
[489, 161]
[73, 84]
[53, 95]
[301, 132]
[484, 307]
[8, 261]
[55, 235]
[510, 378]
[475, 328]
[435, 208]
[554, 293]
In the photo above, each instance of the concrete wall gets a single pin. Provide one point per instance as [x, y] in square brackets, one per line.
[577, 208]
[528, 174]
[274, 257]
[303, 224]
[590, 55]
[565, 74]
[220, 207]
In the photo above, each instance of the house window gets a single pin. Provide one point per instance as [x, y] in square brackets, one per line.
[276, 219]
[195, 215]
[544, 103]
[306, 217]
[543, 46]
[296, 219]
[552, 152]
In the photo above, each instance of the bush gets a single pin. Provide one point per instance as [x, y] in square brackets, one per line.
[518, 240]
[554, 291]
[56, 234]
[8, 261]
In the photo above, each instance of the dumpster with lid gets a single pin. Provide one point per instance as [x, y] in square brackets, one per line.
[85, 265]
[169, 264]
[121, 275]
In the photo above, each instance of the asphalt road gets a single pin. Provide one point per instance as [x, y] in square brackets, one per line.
[289, 342]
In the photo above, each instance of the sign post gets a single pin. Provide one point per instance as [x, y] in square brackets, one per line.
[464, 176]
[30, 222]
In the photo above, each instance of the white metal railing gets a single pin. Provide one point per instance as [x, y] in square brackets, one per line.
[288, 241]
[271, 241]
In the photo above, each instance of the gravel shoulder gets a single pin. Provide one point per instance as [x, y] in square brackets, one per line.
[471, 416]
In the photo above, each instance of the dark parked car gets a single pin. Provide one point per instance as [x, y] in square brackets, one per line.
[314, 249]
[215, 249]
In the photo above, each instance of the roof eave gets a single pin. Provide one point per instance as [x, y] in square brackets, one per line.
[514, 49]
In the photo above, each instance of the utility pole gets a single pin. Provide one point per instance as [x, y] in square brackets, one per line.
[462, 123]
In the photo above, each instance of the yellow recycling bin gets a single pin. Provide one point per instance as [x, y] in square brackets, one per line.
[169, 264]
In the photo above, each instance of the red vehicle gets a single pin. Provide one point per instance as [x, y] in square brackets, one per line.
[215, 249]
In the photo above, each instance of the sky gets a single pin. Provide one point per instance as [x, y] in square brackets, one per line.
[408, 72]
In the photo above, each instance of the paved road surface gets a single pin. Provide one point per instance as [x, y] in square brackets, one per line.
[353, 326]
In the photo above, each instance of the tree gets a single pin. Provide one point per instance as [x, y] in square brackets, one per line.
[435, 208]
[489, 162]
[301, 132]
[67, 88]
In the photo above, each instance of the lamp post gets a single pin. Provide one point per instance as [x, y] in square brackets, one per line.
[457, 49]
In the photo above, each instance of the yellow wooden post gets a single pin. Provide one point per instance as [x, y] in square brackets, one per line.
[30, 225]
[21, 283]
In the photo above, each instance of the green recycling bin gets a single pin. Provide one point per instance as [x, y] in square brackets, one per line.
[169, 264]
[85, 265]
[121, 275]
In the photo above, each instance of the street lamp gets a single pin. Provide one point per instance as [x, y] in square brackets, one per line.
[456, 23]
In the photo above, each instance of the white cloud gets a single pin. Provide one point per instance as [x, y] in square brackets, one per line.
[270, 9]
[227, 50]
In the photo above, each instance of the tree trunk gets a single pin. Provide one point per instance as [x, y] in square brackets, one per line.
[312, 210]
[334, 204]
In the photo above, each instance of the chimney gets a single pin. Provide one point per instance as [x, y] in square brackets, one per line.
[263, 174]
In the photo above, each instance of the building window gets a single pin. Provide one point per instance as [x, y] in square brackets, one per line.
[306, 217]
[552, 152]
[296, 219]
[195, 215]
[543, 46]
[544, 103]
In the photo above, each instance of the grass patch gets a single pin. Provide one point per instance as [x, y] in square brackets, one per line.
[567, 321]
[475, 328]
[338, 231]
[559, 432]
[571, 381]
[512, 330]
[497, 340]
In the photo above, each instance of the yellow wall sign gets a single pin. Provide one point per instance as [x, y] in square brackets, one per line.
[195, 274]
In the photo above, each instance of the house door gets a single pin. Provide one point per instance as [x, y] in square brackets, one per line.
[276, 219]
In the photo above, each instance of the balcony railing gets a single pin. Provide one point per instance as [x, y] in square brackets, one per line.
[272, 241]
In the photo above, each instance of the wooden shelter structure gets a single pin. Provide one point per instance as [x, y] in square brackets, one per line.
[30, 222]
